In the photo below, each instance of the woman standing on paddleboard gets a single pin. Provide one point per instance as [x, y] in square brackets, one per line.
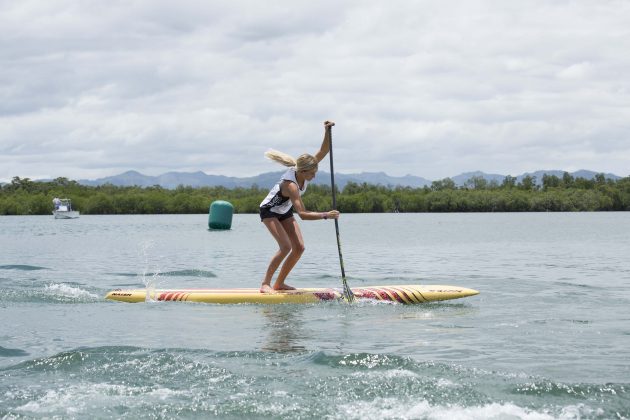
[276, 210]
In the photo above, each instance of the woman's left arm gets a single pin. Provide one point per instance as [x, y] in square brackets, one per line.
[292, 191]
[325, 148]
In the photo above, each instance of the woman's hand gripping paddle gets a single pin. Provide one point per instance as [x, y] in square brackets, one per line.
[347, 293]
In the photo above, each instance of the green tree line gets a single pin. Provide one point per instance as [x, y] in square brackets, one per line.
[23, 196]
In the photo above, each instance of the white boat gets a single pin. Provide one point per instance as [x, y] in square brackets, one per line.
[63, 209]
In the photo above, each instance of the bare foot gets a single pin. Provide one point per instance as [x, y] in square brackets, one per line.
[265, 288]
[283, 287]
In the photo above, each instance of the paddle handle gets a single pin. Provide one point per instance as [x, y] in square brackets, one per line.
[349, 296]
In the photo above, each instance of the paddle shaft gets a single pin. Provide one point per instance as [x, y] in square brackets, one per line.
[346, 290]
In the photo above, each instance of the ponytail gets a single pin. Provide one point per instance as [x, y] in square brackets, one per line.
[281, 158]
[305, 162]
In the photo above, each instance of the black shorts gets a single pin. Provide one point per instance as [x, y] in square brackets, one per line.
[267, 214]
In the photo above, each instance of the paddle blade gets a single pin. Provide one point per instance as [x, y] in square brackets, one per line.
[347, 293]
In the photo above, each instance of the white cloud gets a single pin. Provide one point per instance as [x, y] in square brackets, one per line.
[579, 71]
[433, 88]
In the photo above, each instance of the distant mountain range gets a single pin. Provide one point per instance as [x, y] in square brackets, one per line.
[172, 180]
[265, 180]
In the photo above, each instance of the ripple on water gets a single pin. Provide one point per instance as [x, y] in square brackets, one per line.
[22, 267]
[137, 382]
[5, 352]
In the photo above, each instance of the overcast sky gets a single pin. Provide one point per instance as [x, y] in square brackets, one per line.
[429, 88]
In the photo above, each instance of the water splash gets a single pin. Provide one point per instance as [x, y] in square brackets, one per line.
[49, 293]
[149, 279]
[66, 292]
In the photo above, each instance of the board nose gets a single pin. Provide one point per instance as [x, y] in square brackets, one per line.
[469, 292]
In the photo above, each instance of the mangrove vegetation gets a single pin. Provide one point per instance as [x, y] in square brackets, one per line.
[23, 196]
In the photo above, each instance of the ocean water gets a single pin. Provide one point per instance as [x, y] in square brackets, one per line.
[548, 337]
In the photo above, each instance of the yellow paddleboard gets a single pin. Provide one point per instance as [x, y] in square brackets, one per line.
[406, 294]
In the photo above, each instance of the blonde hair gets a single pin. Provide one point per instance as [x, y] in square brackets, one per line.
[305, 162]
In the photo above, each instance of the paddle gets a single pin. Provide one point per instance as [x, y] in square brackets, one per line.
[347, 293]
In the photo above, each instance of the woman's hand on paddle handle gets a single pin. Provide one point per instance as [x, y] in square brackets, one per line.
[325, 147]
[332, 214]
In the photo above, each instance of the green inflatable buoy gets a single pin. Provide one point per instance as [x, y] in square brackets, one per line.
[220, 215]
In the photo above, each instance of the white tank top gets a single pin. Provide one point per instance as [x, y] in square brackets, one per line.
[275, 201]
